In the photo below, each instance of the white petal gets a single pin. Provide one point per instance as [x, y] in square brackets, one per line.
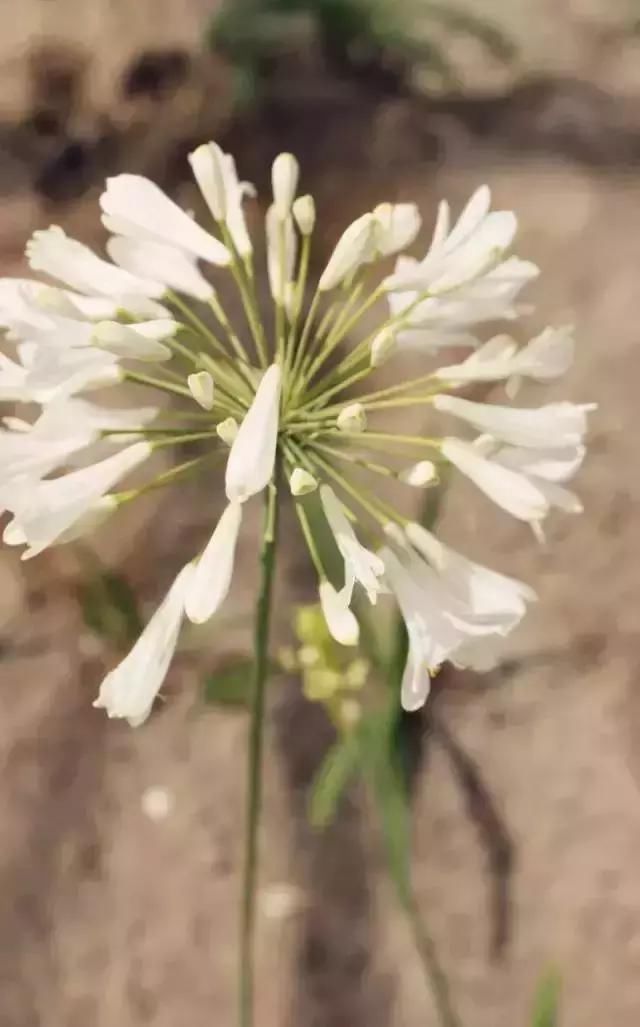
[301, 482]
[46, 510]
[53, 252]
[211, 579]
[253, 452]
[354, 247]
[168, 264]
[554, 425]
[416, 678]
[131, 341]
[208, 166]
[148, 213]
[304, 213]
[510, 490]
[360, 563]
[341, 621]
[130, 689]
[398, 226]
[547, 356]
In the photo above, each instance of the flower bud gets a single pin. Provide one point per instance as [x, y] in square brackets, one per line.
[304, 212]
[352, 418]
[201, 388]
[301, 482]
[421, 474]
[227, 430]
[354, 247]
[284, 179]
[382, 347]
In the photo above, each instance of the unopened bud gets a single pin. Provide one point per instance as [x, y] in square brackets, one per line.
[301, 482]
[352, 418]
[201, 388]
[421, 474]
[304, 212]
[382, 347]
[227, 430]
[284, 179]
[355, 246]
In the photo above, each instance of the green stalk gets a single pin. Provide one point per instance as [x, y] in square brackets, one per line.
[254, 766]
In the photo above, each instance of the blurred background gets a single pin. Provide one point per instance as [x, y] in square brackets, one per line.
[120, 854]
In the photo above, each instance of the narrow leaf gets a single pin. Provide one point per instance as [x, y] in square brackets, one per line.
[338, 767]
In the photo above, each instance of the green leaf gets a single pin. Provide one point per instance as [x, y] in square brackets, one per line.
[110, 608]
[338, 767]
[231, 685]
[546, 1005]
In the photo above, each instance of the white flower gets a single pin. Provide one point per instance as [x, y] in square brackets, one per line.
[340, 620]
[397, 226]
[62, 429]
[253, 452]
[130, 689]
[301, 482]
[281, 252]
[474, 246]
[44, 511]
[304, 213]
[360, 564]
[514, 492]
[168, 264]
[13, 381]
[201, 387]
[547, 356]
[137, 208]
[447, 319]
[55, 373]
[137, 341]
[547, 469]
[284, 179]
[53, 252]
[555, 425]
[215, 172]
[211, 578]
[227, 430]
[355, 247]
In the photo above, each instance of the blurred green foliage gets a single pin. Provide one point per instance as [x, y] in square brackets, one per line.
[393, 37]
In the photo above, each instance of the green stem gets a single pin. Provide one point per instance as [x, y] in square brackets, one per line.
[254, 768]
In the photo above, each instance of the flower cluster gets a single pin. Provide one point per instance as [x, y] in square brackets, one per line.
[276, 403]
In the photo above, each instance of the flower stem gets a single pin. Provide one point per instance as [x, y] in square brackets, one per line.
[254, 766]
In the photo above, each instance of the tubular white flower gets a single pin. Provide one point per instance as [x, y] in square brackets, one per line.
[253, 452]
[130, 689]
[514, 492]
[137, 341]
[360, 564]
[304, 213]
[355, 247]
[202, 388]
[547, 469]
[547, 356]
[62, 429]
[54, 373]
[211, 578]
[216, 175]
[168, 264]
[284, 180]
[69, 261]
[281, 253]
[137, 208]
[340, 620]
[397, 226]
[45, 510]
[555, 425]
[473, 247]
